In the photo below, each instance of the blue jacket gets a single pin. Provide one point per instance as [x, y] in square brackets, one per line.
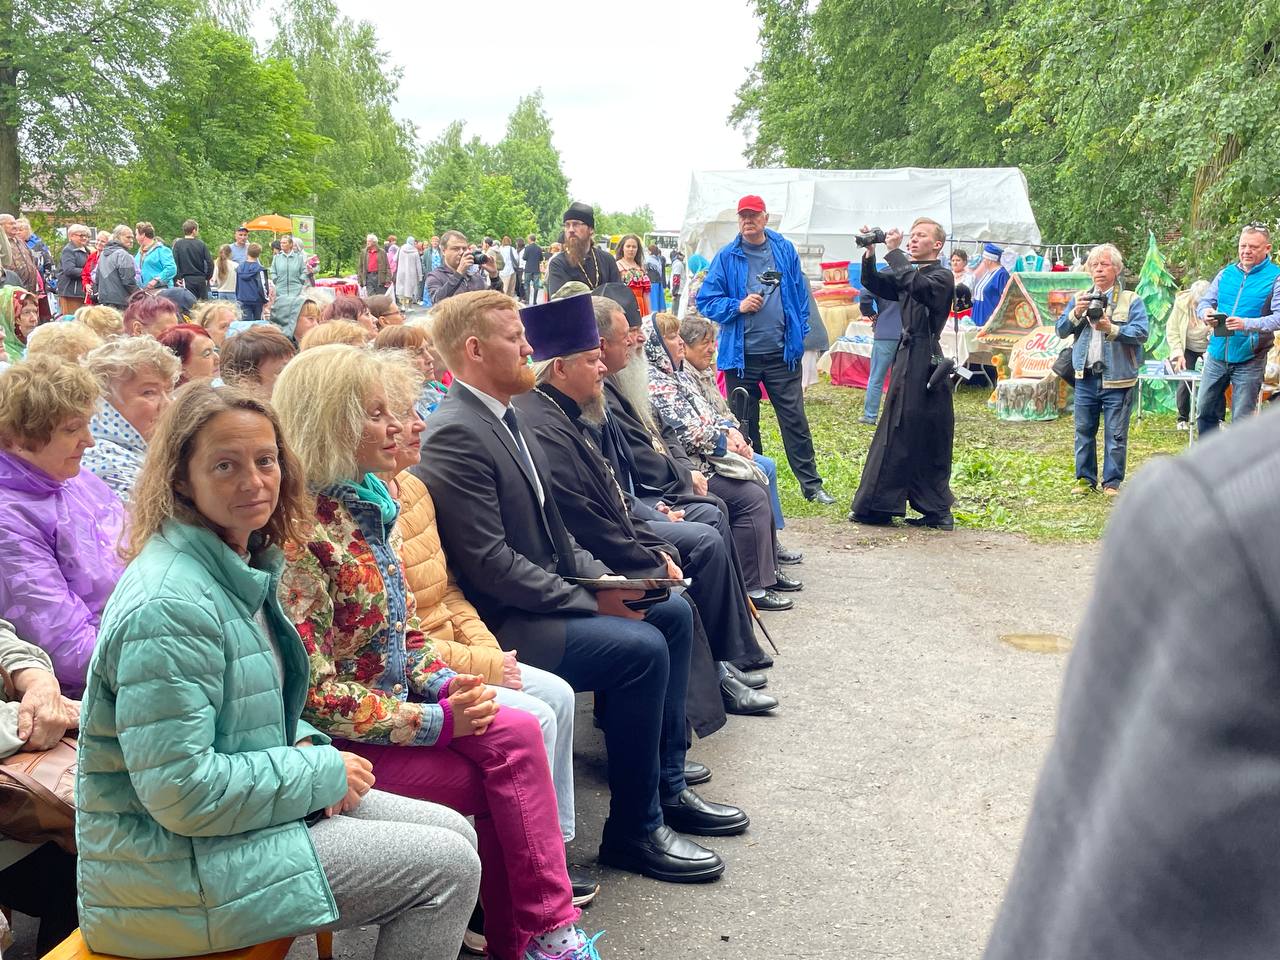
[1122, 354]
[725, 287]
[1255, 296]
[157, 264]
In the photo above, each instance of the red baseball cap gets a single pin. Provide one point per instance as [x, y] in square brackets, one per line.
[751, 202]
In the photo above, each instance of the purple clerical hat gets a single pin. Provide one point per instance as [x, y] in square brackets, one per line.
[560, 328]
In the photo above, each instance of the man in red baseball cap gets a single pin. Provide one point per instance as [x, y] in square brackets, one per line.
[757, 293]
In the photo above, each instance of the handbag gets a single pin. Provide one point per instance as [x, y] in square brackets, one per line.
[1064, 366]
[37, 795]
[735, 466]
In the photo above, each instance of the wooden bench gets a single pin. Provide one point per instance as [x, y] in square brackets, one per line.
[74, 948]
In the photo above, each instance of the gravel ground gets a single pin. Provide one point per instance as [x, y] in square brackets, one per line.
[889, 792]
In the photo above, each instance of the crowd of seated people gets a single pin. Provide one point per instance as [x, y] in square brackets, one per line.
[311, 616]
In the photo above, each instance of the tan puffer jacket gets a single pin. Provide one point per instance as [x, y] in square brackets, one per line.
[461, 639]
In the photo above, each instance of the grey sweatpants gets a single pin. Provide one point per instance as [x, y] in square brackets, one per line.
[407, 866]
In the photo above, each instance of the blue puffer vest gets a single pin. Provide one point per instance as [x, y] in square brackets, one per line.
[1246, 295]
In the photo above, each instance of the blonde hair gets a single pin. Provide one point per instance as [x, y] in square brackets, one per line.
[320, 397]
[118, 361]
[103, 320]
[156, 498]
[939, 233]
[40, 394]
[402, 380]
[203, 312]
[70, 341]
[342, 332]
[1111, 251]
[666, 324]
[466, 315]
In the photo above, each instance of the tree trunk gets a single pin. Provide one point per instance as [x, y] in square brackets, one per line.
[10, 116]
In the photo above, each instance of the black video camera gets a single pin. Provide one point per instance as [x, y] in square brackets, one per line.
[870, 238]
[1097, 306]
[770, 278]
[479, 257]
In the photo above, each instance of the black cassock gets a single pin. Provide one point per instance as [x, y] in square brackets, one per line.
[910, 457]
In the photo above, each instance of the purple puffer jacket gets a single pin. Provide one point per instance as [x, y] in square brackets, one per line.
[58, 562]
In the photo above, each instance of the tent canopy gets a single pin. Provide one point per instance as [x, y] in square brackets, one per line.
[826, 207]
[271, 221]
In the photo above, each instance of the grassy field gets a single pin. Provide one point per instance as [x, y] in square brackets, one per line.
[1014, 477]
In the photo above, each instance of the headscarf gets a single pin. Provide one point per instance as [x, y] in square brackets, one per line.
[10, 304]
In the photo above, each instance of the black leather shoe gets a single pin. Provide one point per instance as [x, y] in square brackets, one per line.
[756, 681]
[787, 557]
[818, 495]
[742, 701]
[785, 584]
[760, 661]
[934, 521]
[772, 601]
[696, 773]
[689, 813]
[872, 519]
[583, 883]
[663, 855]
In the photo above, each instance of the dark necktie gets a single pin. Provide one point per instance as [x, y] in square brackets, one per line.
[509, 418]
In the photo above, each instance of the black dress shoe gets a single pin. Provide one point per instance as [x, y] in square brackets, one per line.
[742, 701]
[818, 495]
[934, 521]
[785, 584]
[696, 773]
[689, 813]
[872, 519]
[760, 661]
[787, 557]
[755, 681]
[663, 855]
[583, 883]
[772, 601]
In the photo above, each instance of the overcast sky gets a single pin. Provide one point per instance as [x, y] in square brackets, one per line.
[625, 139]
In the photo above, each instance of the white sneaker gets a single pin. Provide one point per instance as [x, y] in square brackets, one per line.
[1183, 426]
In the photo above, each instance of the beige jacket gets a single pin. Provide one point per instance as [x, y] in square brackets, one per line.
[1184, 330]
[15, 655]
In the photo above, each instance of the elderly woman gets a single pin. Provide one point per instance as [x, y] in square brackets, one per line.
[721, 453]
[136, 376]
[699, 373]
[298, 314]
[216, 317]
[19, 315]
[416, 344]
[59, 524]
[198, 779]
[409, 273]
[288, 270]
[104, 321]
[70, 341]
[376, 681]
[1110, 326]
[195, 350]
[461, 639]
[339, 332]
[74, 257]
[39, 879]
[253, 359]
[353, 310]
[86, 273]
[386, 311]
[150, 315]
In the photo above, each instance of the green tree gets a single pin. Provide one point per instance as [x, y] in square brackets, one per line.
[639, 221]
[527, 155]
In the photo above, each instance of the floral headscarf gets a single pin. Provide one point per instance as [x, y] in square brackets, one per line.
[10, 304]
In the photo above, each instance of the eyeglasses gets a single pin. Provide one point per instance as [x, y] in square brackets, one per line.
[1259, 227]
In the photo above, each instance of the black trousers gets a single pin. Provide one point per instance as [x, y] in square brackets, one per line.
[787, 397]
[1192, 357]
[198, 286]
[43, 885]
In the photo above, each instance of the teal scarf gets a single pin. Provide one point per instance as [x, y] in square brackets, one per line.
[373, 491]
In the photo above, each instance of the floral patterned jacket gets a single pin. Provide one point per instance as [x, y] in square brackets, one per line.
[375, 677]
[680, 406]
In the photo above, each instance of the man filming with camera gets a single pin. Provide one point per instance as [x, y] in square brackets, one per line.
[464, 270]
[1110, 325]
[1242, 307]
[757, 294]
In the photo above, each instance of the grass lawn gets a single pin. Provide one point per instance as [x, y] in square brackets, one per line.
[1014, 477]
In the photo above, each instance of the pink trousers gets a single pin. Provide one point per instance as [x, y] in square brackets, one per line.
[502, 779]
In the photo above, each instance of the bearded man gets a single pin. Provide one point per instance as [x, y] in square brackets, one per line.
[581, 259]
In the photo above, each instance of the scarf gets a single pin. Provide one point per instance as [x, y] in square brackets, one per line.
[373, 491]
[9, 306]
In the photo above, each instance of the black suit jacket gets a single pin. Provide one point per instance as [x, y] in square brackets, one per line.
[509, 554]
[586, 493]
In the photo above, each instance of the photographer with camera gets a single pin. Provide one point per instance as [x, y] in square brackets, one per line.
[464, 270]
[909, 461]
[757, 293]
[1248, 292]
[1110, 326]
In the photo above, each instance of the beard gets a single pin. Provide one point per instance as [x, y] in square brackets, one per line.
[576, 247]
[593, 410]
[526, 380]
[632, 382]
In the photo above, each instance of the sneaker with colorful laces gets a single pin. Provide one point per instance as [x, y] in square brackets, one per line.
[585, 951]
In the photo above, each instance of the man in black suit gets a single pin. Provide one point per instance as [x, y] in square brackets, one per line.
[512, 555]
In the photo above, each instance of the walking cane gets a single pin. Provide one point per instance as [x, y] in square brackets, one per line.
[756, 616]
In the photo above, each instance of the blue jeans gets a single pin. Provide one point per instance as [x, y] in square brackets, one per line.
[882, 354]
[770, 468]
[641, 670]
[1246, 383]
[224, 294]
[1114, 405]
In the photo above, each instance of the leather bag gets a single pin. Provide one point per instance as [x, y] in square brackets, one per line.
[37, 795]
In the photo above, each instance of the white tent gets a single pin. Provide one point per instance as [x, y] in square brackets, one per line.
[824, 208]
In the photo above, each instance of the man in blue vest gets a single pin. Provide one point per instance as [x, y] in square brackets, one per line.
[1248, 292]
[757, 294]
